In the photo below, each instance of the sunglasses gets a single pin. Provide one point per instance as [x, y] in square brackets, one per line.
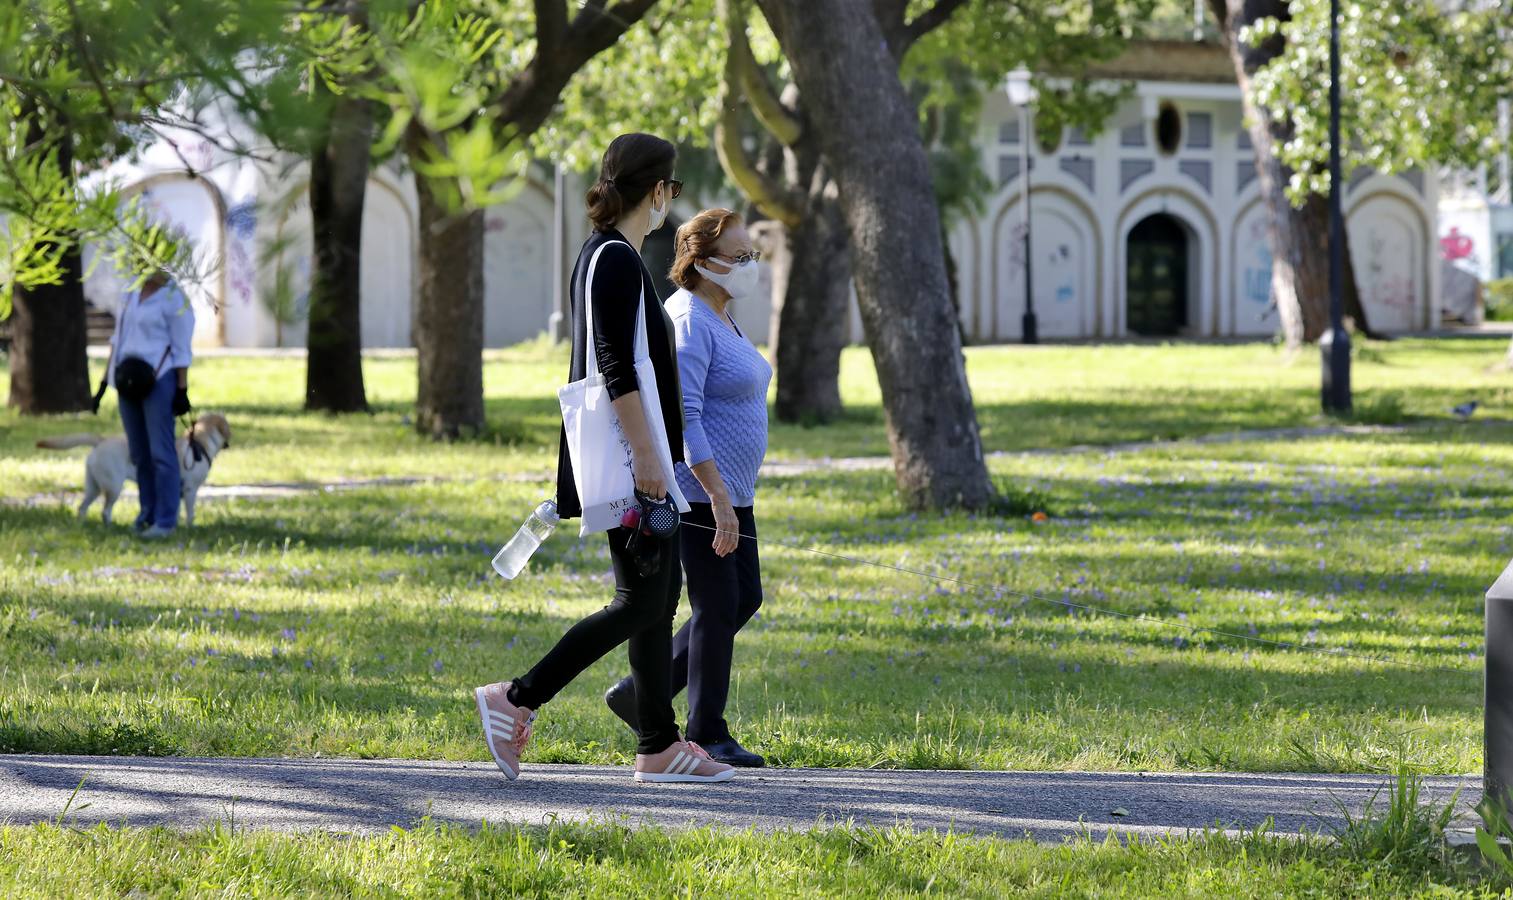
[674, 188]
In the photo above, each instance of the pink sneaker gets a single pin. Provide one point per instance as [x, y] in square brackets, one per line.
[506, 727]
[682, 761]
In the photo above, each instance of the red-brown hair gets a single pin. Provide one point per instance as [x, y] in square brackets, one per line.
[695, 241]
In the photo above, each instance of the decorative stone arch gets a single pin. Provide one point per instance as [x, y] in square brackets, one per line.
[1250, 268]
[967, 237]
[1064, 206]
[517, 262]
[1197, 217]
[208, 291]
[1384, 279]
[293, 244]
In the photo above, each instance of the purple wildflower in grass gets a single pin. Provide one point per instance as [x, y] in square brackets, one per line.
[288, 634]
[309, 663]
[436, 667]
[193, 662]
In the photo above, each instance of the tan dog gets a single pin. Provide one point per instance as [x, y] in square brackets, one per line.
[108, 466]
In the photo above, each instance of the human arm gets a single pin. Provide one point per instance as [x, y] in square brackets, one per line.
[180, 338]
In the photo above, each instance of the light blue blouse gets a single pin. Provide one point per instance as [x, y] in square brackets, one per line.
[725, 382]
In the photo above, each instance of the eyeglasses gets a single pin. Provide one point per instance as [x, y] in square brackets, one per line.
[675, 188]
[743, 259]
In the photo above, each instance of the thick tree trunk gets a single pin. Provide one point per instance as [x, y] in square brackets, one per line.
[811, 289]
[338, 180]
[49, 369]
[1299, 237]
[871, 145]
[449, 320]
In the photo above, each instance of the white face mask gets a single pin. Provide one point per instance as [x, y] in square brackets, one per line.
[658, 216]
[740, 282]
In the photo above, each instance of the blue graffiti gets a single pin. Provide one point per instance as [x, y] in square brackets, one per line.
[241, 220]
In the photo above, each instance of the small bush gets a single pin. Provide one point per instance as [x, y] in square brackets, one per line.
[1407, 834]
[1015, 500]
[1498, 297]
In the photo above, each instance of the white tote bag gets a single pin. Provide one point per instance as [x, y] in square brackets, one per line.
[596, 444]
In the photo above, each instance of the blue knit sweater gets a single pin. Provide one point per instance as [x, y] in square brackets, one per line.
[725, 382]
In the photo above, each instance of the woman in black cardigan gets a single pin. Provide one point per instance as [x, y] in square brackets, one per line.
[628, 202]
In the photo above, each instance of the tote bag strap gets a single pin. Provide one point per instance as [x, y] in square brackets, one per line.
[592, 357]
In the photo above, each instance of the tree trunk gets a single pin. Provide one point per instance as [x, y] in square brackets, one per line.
[49, 366]
[449, 320]
[1299, 237]
[871, 145]
[811, 290]
[49, 369]
[338, 180]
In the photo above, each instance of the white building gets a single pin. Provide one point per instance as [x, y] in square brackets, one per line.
[1154, 226]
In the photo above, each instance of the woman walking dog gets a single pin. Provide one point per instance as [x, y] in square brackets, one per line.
[725, 383]
[149, 368]
[609, 285]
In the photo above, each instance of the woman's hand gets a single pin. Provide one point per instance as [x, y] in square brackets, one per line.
[727, 529]
[647, 469]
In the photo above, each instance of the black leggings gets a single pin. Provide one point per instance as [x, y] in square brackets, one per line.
[725, 592]
[642, 612]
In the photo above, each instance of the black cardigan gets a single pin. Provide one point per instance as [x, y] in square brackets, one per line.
[619, 280]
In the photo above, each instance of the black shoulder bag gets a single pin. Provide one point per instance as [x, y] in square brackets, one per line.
[135, 376]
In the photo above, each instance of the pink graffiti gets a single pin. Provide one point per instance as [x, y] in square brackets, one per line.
[1456, 245]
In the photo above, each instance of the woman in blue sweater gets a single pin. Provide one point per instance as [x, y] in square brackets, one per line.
[724, 380]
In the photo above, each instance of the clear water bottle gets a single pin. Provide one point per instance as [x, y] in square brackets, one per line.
[509, 561]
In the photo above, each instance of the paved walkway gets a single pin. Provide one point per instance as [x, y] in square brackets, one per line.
[368, 796]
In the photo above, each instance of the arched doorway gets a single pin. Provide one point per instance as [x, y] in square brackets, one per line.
[1157, 277]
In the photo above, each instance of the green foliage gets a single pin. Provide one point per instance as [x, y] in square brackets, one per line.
[661, 77]
[1421, 81]
[85, 81]
[1499, 300]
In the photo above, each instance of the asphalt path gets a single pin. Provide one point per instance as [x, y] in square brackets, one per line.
[364, 796]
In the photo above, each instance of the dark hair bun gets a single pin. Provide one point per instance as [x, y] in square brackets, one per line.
[631, 168]
[605, 205]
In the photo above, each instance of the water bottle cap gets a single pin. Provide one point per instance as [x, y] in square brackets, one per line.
[547, 512]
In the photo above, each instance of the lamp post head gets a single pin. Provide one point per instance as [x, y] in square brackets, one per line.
[1020, 89]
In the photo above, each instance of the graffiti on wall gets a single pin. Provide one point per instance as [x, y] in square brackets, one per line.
[241, 273]
[1457, 246]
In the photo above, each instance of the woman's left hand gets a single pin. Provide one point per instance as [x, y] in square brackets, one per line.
[727, 529]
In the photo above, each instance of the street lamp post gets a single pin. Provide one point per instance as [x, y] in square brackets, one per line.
[1334, 345]
[1022, 93]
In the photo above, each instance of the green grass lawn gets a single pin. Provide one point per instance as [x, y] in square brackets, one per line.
[1027, 398]
[609, 860]
[355, 622]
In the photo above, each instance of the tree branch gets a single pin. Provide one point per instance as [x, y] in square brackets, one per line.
[528, 99]
[551, 25]
[771, 197]
[752, 81]
[928, 21]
